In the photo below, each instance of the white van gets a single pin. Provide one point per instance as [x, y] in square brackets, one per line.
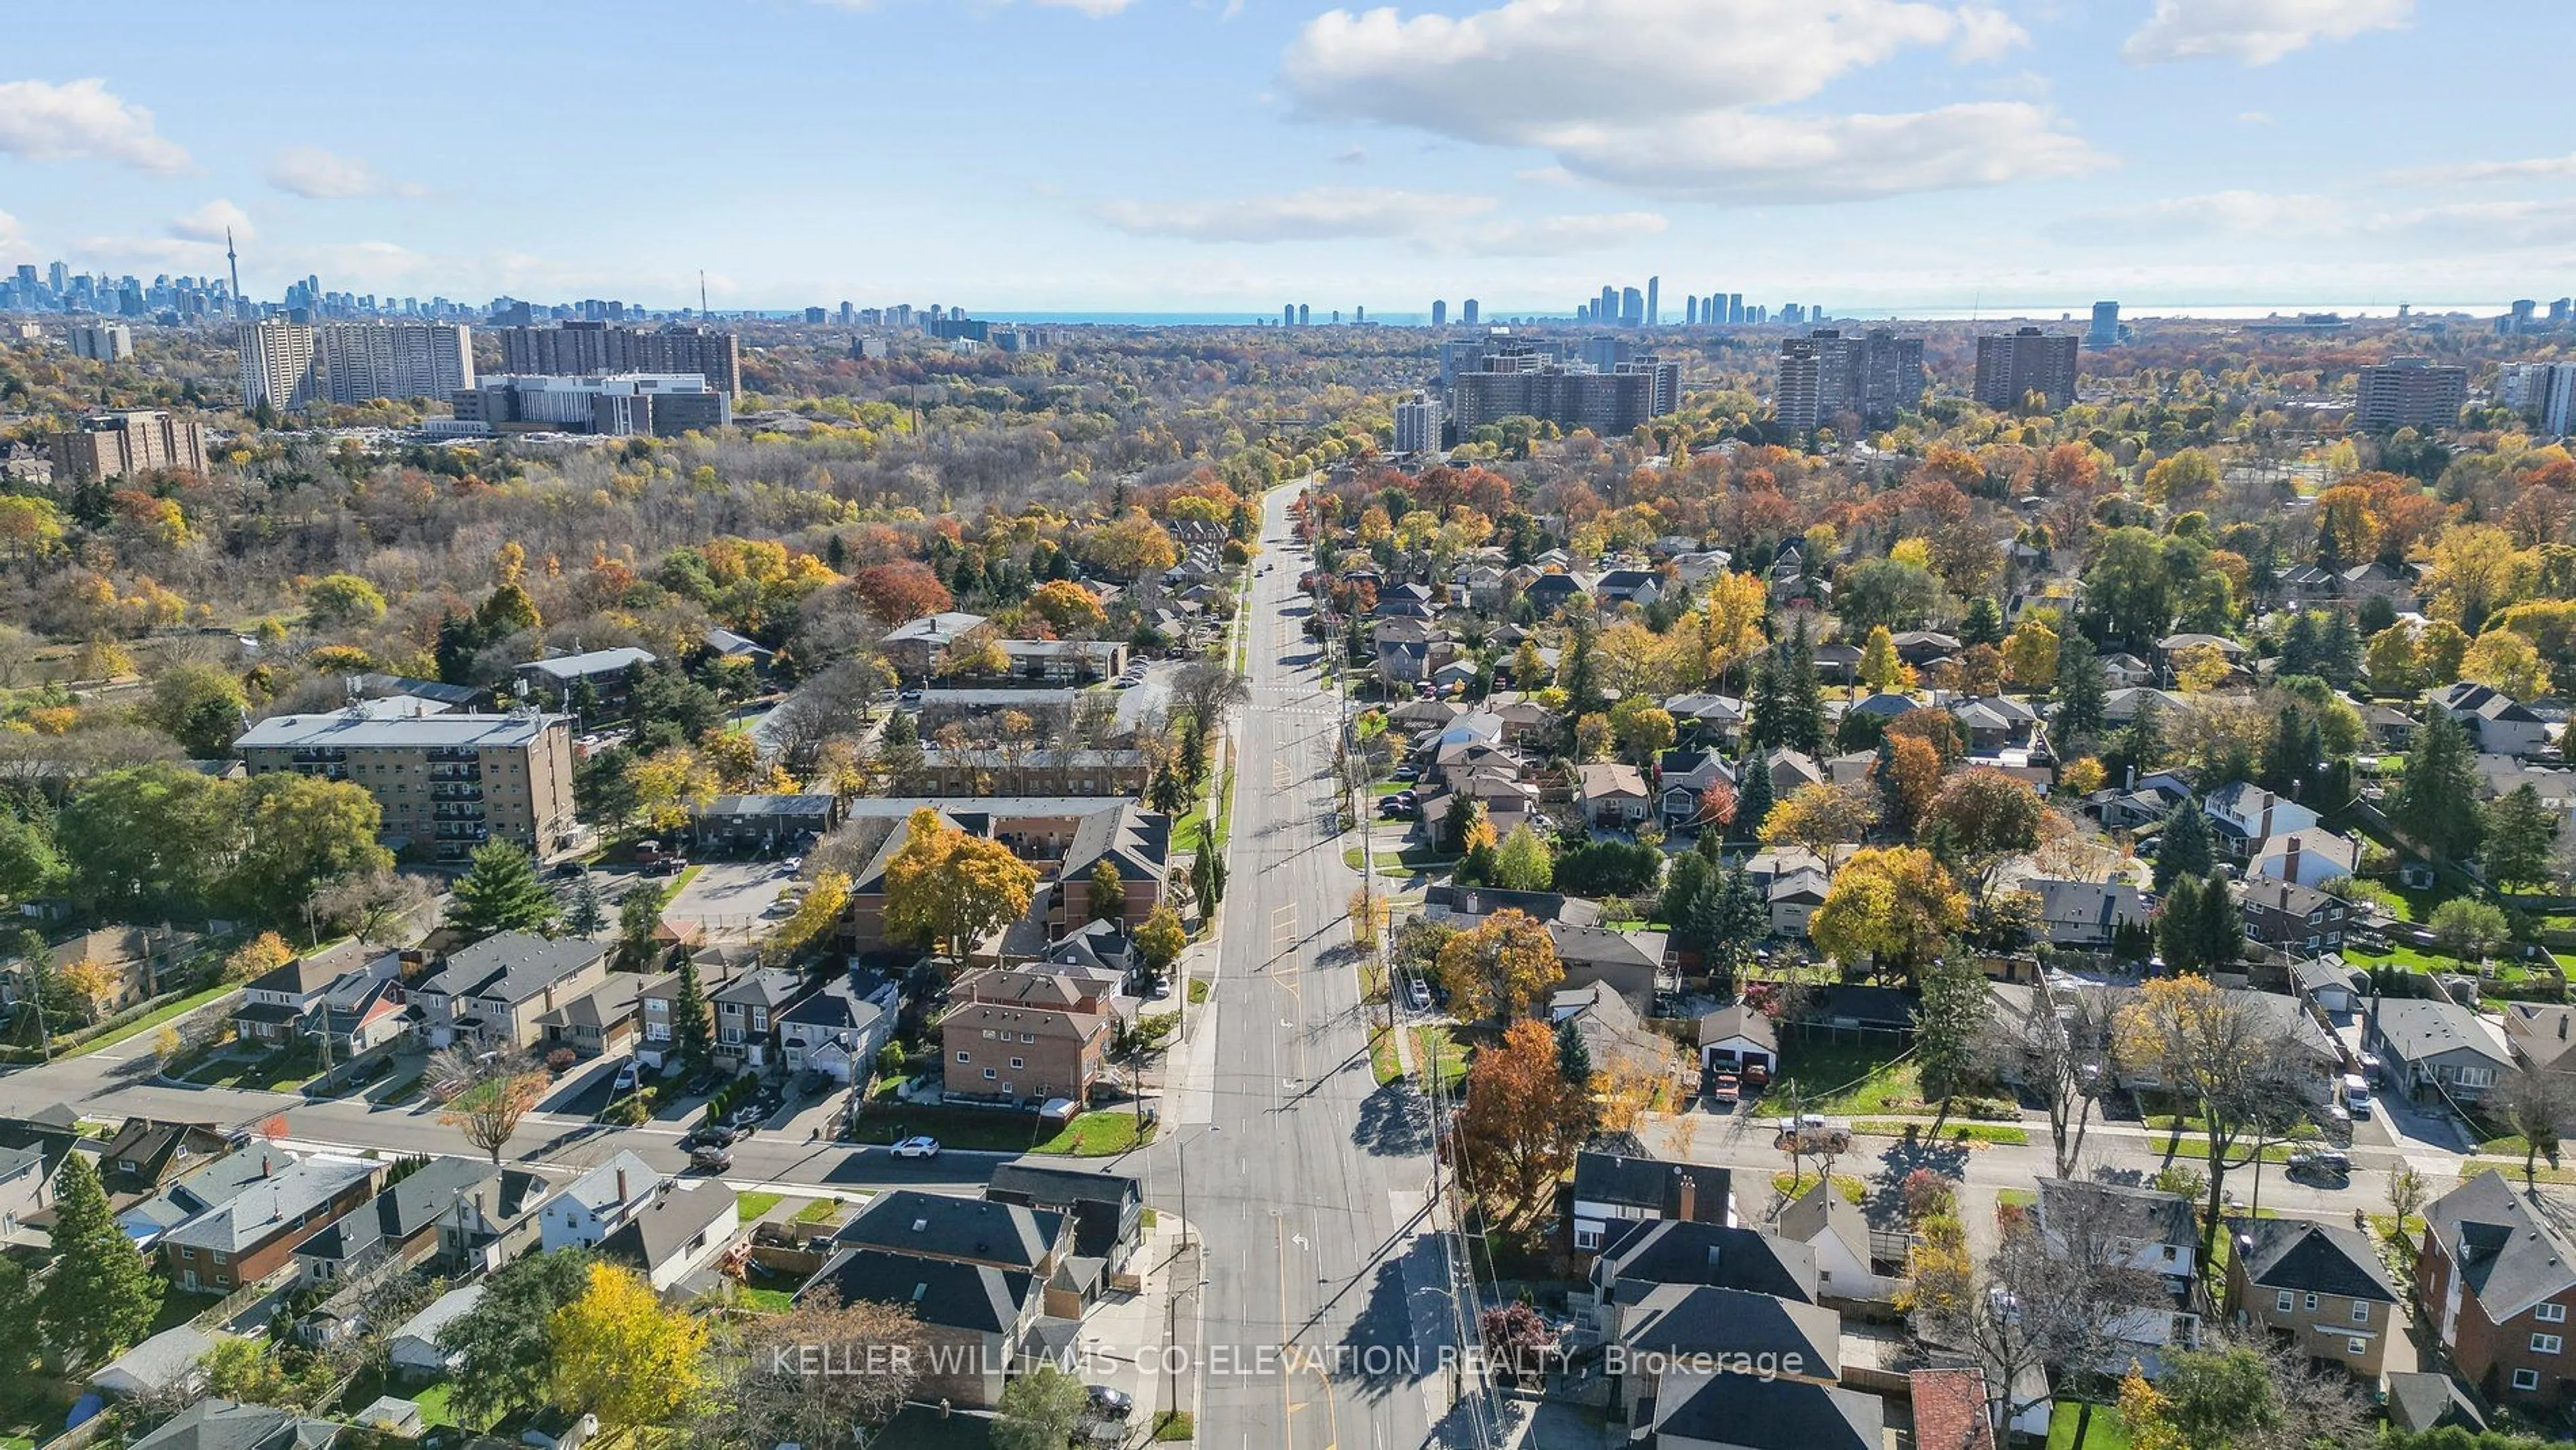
[2356, 1094]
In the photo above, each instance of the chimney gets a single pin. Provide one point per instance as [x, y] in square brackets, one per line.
[2291, 868]
[2265, 834]
[1690, 1192]
[621, 1185]
[2562, 1027]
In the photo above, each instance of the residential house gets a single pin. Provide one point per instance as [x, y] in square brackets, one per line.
[1464, 906]
[1923, 648]
[2327, 983]
[921, 648]
[598, 1203]
[2496, 1273]
[450, 1207]
[2542, 1035]
[999, 1235]
[760, 825]
[1837, 662]
[1613, 795]
[676, 1234]
[492, 993]
[170, 1362]
[1994, 724]
[2174, 644]
[1679, 1325]
[2496, 723]
[552, 681]
[1794, 896]
[1611, 1189]
[747, 1011]
[1017, 770]
[359, 1013]
[221, 1424]
[1640, 587]
[1736, 1037]
[132, 963]
[2435, 1047]
[1065, 659]
[2319, 1286]
[2424, 1400]
[974, 1321]
[1708, 719]
[251, 1234]
[657, 1003]
[2089, 914]
[413, 1346]
[2310, 858]
[2145, 1230]
[2291, 918]
[1951, 1409]
[275, 1003]
[600, 1021]
[1640, 1254]
[1682, 782]
[2122, 670]
[1011, 1036]
[2242, 816]
[839, 1030]
[1063, 837]
[1850, 1262]
[1107, 1208]
[1616, 1038]
[724, 644]
[1716, 1409]
[1791, 770]
[1549, 593]
[1630, 962]
[26, 1188]
[147, 1154]
[2120, 706]
[145, 1221]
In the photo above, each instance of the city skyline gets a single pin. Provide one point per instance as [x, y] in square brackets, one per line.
[1882, 157]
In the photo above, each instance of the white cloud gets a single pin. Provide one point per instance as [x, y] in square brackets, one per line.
[2538, 168]
[2298, 221]
[208, 223]
[1438, 221]
[10, 237]
[2256, 32]
[81, 120]
[310, 171]
[1752, 157]
[1093, 8]
[1675, 106]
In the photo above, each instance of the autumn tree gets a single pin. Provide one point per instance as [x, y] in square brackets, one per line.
[495, 1094]
[620, 1355]
[199, 705]
[1067, 607]
[503, 1348]
[1891, 906]
[1821, 816]
[2030, 657]
[298, 835]
[2225, 1058]
[1880, 669]
[807, 1375]
[1521, 1124]
[1499, 967]
[949, 888]
[1908, 772]
[902, 590]
[257, 957]
[1160, 940]
[815, 917]
[1982, 819]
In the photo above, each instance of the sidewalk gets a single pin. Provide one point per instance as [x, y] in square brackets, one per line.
[1147, 1343]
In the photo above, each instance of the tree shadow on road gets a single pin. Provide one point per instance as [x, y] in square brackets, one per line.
[1394, 1121]
[1378, 1354]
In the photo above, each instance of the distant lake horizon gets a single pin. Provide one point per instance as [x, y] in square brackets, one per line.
[1993, 312]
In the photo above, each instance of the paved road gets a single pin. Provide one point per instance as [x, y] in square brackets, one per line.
[1325, 1309]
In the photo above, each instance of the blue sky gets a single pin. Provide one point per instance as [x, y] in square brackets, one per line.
[1192, 155]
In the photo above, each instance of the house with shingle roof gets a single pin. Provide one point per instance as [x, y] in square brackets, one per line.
[255, 1231]
[2321, 1285]
[2496, 1273]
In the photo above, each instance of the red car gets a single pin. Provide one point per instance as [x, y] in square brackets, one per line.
[1724, 1088]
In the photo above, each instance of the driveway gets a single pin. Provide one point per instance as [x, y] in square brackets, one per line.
[726, 898]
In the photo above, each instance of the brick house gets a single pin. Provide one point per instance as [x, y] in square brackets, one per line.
[2319, 1286]
[1063, 837]
[1020, 1035]
[2496, 1274]
[494, 992]
[2299, 920]
[253, 1233]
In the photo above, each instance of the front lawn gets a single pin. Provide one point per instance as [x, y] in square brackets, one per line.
[1102, 1134]
[997, 1130]
[149, 1020]
[1853, 1190]
[282, 1070]
[1382, 1060]
[1440, 1056]
[750, 1206]
[2104, 1431]
[1950, 1132]
[1848, 1078]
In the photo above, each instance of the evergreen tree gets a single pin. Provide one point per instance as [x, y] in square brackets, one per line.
[2178, 926]
[1805, 704]
[2289, 763]
[588, 911]
[2436, 800]
[1583, 675]
[692, 1032]
[2519, 833]
[102, 1296]
[1207, 874]
[1573, 1059]
[1727, 920]
[2143, 743]
[639, 914]
[500, 892]
[1752, 797]
[2220, 929]
[1983, 623]
[2302, 646]
[2183, 848]
[1950, 1027]
[1763, 702]
[2079, 692]
[2340, 650]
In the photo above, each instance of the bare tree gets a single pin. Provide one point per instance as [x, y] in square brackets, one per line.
[816, 1374]
[832, 705]
[373, 907]
[486, 1095]
[2538, 1106]
[1208, 689]
[2063, 1055]
[2231, 1063]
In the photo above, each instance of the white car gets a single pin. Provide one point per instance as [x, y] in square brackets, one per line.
[629, 1074]
[921, 1147]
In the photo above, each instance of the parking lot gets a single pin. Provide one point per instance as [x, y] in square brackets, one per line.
[726, 898]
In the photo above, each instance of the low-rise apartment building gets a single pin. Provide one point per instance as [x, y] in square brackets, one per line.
[446, 782]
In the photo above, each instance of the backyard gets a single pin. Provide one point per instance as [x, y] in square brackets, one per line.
[1848, 1078]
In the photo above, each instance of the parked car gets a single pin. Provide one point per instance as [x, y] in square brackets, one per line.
[703, 1084]
[811, 1083]
[713, 1135]
[1408, 771]
[568, 870]
[630, 1075]
[2322, 1165]
[1756, 1077]
[923, 1146]
[1726, 1088]
[1420, 995]
[710, 1160]
[1109, 1403]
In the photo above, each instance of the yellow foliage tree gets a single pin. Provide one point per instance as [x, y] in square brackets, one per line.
[620, 1355]
[1893, 905]
[97, 984]
[1500, 967]
[2198, 668]
[2030, 657]
[818, 913]
[1880, 669]
[950, 888]
[1820, 816]
[2504, 660]
[257, 957]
